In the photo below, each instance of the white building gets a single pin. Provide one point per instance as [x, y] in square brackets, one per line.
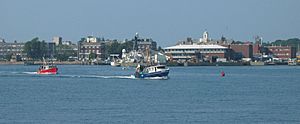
[67, 43]
[57, 40]
[196, 52]
[205, 38]
[91, 39]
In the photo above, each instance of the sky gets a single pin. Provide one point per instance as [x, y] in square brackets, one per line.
[165, 21]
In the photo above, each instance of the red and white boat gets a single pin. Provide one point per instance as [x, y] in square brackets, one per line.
[47, 69]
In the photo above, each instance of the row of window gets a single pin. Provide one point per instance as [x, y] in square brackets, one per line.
[11, 45]
[279, 49]
[90, 51]
[11, 49]
[282, 54]
[87, 47]
[196, 50]
[182, 54]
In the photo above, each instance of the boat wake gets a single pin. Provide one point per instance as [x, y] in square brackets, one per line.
[29, 73]
[35, 74]
[96, 76]
[157, 78]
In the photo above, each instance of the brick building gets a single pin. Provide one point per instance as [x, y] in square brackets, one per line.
[282, 52]
[141, 44]
[239, 51]
[91, 45]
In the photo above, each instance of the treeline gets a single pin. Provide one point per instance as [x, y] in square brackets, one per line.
[294, 42]
[36, 49]
[116, 47]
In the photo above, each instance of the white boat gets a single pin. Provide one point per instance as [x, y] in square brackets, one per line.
[292, 62]
[115, 60]
[115, 64]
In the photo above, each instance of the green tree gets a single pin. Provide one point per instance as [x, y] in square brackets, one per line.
[92, 56]
[116, 48]
[63, 52]
[35, 48]
[127, 45]
[238, 42]
[8, 57]
[160, 49]
[294, 42]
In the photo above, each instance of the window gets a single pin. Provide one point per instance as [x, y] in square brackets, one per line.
[161, 67]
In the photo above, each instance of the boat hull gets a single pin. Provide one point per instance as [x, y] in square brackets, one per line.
[152, 75]
[48, 71]
[115, 64]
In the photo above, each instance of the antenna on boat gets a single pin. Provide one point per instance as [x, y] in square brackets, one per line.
[148, 55]
[44, 61]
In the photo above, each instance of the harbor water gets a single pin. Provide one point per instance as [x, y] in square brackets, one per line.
[191, 95]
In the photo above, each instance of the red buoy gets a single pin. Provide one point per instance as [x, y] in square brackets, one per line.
[222, 74]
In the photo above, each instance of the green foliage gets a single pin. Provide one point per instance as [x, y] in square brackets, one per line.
[238, 42]
[92, 56]
[295, 42]
[160, 49]
[82, 39]
[116, 48]
[8, 57]
[35, 48]
[63, 52]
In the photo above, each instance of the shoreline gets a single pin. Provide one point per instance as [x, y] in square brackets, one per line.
[168, 64]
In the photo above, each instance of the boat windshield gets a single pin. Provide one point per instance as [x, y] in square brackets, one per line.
[52, 66]
[161, 67]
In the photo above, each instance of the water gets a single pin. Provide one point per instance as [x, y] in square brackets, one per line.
[104, 94]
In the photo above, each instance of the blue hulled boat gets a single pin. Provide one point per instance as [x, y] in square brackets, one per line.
[160, 71]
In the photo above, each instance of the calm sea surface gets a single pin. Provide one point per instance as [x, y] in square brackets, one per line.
[104, 94]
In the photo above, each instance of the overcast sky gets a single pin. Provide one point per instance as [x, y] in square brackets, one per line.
[165, 21]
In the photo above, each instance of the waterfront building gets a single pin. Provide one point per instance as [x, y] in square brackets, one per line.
[257, 49]
[240, 51]
[57, 40]
[188, 41]
[282, 52]
[68, 43]
[142, 44]
[91, 45]
[92, 39]
[196, 53]
[7, 50]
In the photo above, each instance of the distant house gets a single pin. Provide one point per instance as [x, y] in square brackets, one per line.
[91, 45]
[282, 52]
[239, 51]
[57, 40]
[142, 45]
[11, 49]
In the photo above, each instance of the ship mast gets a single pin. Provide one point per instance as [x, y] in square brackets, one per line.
[148, 56]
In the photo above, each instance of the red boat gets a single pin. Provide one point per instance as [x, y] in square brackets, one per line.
[47, 69]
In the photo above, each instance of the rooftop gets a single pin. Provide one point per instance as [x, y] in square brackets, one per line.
[196, 47]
